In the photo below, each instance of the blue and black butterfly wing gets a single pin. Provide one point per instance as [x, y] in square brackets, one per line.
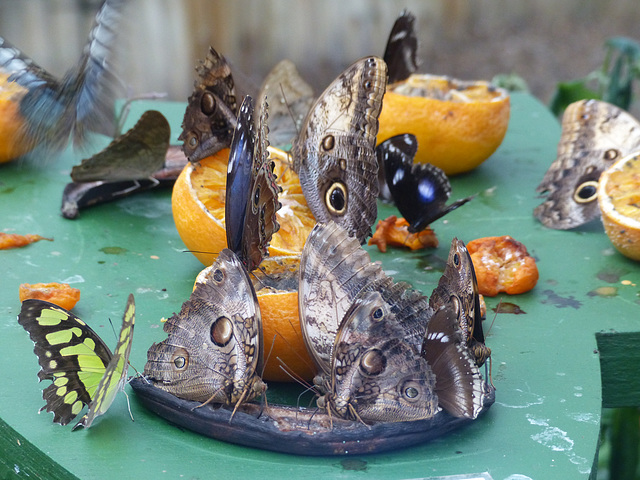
[82, 100]
[70, 354]
[403, 148]
[252, 192]
[420, 191]
[402, 47]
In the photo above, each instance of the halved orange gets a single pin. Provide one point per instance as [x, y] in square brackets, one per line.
[458, 124]
[619, 201]
[11, 121]
[62, 294]
[198, 207]
[198, 212]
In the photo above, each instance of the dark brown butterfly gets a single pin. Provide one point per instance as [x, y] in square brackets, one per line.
[210, 117]
[402, 47]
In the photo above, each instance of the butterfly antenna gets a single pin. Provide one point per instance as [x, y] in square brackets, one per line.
[128, 405]
[273, 342]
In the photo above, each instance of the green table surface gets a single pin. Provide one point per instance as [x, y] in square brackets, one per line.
[546, 368]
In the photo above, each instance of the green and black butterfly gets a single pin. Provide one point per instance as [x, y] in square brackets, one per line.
[80, 365]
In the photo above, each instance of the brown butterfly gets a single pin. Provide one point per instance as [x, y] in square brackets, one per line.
[594, 135]
[214, 349]
[334, 154]
[210, 117]
[458, 287]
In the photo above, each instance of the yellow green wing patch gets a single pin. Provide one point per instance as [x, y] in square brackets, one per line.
[81, 367]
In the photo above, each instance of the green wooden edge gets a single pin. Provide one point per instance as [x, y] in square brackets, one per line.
[21, 459]
[619, 360]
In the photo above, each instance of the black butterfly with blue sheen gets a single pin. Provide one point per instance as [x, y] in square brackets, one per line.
[252, 192]
[419, 191]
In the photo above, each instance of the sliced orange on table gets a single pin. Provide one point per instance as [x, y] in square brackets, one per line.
[458, 124]
[61, 294]
[619, 201]
[11, 121]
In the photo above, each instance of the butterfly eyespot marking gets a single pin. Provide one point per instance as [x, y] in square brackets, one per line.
[456, 259]
[586, 192]
[336, 198]
[328, 143]
[611, 154]
[207, 104]
[373, 362]
[343, 164]
[377, 314]
[368, 85]
[410, 391]
[221, 331]
[192, 141]
[218, 275]
[256, 197]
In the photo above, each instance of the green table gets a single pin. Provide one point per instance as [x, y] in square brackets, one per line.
[546, 366]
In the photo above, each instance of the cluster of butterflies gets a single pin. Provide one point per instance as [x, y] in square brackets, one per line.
[384, 351]
[595, 134]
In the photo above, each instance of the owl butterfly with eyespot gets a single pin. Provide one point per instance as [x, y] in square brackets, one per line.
[290, 99]
[51, 109]
[420, 191]
[400, 54]
[594, 135]
[460, 388]
[334, 154]
[251, 199]
[458, 287]
[214, 349]
[334, 270]
[376, 375]
[210, 117]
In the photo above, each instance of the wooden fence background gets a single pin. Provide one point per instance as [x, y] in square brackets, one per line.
[544, 41]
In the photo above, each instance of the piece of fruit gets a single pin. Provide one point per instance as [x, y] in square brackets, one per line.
[276, 284]
[11, 121]
[14, 240]
[198, 207]
[619, 201]
[502, 264]
[394, 232]
[458, 124]
[62, 294]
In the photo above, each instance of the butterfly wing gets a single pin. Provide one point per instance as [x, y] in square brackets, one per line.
[210, 117]
[251, 192]
[214, 348]
[135, 155]
[115, 375]
[334, 154]
[70, 354]
[376, 375]
[459, 385]
[334, 270]
[290, 99]
[400, 54]
[458, 287]
[80, 102]
[594, 135]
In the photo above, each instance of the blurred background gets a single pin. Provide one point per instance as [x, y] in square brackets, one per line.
[543, 41]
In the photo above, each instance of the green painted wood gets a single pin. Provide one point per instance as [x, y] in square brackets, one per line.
[619, 360]
[545, 422]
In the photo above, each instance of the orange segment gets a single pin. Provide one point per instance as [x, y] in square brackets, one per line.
[198, 207]
[458, 124]
[61, 294]
[11, 121]
[619, 201]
